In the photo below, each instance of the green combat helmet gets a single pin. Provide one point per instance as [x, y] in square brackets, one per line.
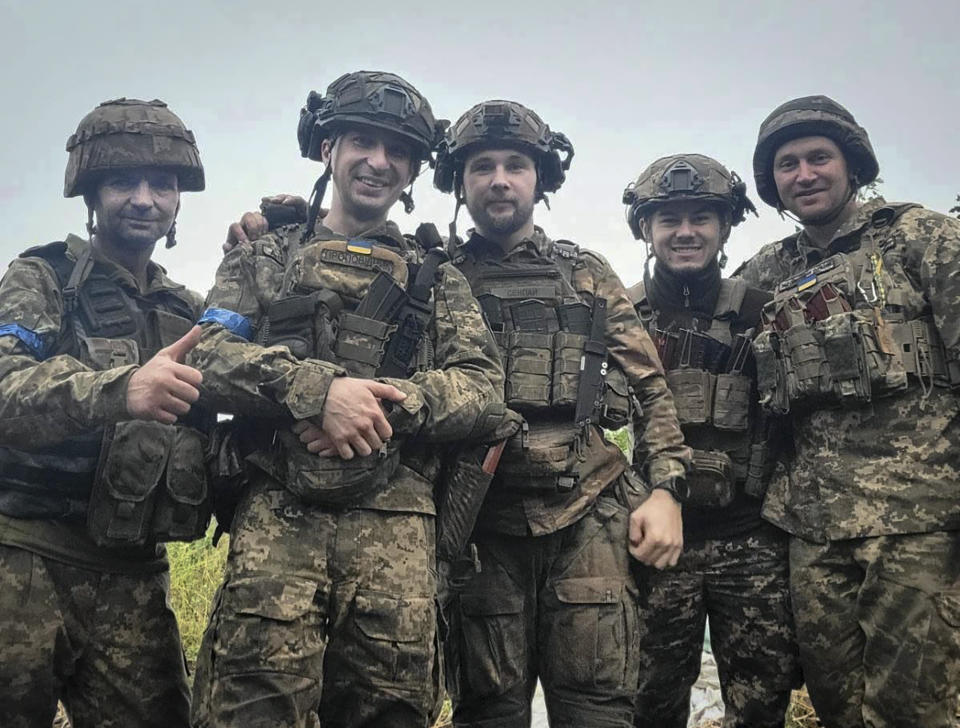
[127, 133]
[685, 177]
[369, 98]
[502, 123]
[811, 116]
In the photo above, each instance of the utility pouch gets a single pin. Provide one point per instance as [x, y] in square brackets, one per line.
[731, 402]
[541, 450]
[771, 373]
[759, 467]
[616, 400]
[290, 323]
[361, 343]
[884, 364]
[692, 394]
[710, 482]
[132, 461]
[843, 350]
[333, 481]
[567, 352]
[528, 370]
[103, 354]
[807, 373]
[183, 506]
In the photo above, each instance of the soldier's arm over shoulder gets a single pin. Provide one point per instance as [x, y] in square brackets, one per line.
[445, 403]
[935, 240]
[241, 376]
[659, 439]
[46, 398]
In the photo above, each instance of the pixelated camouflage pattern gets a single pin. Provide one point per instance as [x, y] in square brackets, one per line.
[743, 585]
[561, 608]
[893, 465]
[106, 644]
[324, 617]
[443, 403]
[878, 621]
[660, 452]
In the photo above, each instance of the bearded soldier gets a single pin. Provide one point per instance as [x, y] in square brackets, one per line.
[374, 352]
[554, 599]
[734, 566]
[101, 455]
[861, 345]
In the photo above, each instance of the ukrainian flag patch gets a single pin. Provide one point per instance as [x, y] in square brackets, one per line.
[807, 282]
[361, 247]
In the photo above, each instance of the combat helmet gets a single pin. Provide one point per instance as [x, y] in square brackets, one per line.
[372, 98]
[811, 116]
[685, 177]
[502, 123]
[125, 133]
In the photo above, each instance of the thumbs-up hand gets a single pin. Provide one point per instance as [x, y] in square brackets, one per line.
[164, 388]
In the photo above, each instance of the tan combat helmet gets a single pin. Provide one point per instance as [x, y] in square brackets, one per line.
[496, 123]
[812, 116]
[685, 177]
[127, 133]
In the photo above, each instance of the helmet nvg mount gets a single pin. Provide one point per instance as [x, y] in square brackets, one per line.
[685, 177]
[371, 98]
[127, 133]
[497, 123]
[811, 116]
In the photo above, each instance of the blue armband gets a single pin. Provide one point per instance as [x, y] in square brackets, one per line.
[230, 320]
[30, 339]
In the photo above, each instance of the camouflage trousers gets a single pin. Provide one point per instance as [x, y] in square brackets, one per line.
[106, 644]
[878, 620]
[561, 607]
[742, 585]
[324, 618]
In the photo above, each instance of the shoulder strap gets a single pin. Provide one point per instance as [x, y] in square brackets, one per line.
[565, 254]
[730, 300]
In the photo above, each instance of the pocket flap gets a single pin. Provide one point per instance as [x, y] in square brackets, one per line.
[589, 590]
[136, 458]
[478, 605]
[392, 619]
[283, 599]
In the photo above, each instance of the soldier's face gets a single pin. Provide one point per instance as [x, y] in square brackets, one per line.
[812, 177]
[500, 186]
[136, 207]
[370, 169]
[686, 235]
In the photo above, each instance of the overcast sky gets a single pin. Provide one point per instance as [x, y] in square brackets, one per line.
[627, 82]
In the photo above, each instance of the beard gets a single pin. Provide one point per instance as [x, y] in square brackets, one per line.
[504, 224]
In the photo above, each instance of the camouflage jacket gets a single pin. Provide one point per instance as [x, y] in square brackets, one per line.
[47, 397]
[892, 465]
[660, 452]
[274, 388]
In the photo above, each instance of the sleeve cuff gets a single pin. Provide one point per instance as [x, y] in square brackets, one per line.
[112, 401]
[308, 392]
[405, 417]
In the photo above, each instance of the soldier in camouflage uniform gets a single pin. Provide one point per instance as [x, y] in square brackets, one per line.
[93, 470]
[734, 566]
[862, 347]
[554, 598]
[375, 352]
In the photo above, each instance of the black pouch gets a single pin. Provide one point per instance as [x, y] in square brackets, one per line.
[616, 400]
[182, 511]
[567, 352]
[692, 394]
[710, 482]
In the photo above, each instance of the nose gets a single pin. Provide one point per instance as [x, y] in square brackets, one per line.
[142, 195]
[500, 179]
[685, 229]
[377, 157]
[805, 174]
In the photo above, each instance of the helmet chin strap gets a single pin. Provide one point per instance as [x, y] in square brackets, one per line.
[823, 219]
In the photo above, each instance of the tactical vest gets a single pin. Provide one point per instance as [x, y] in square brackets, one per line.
[849, 329]
[366, 307]
[135, 482]
[553, 349]
[709, 374]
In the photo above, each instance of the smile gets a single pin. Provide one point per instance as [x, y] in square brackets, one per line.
[372, 182]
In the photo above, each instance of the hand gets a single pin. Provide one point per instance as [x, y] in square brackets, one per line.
[317, 441]
[164, 388]
[252, 225]
[656, 531]
[353, 418]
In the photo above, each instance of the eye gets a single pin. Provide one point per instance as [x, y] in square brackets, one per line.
[121, 181]
[399, 152]
[362, 141]
[480, 166]
[163, 182]
[786, 164]
[820, 158]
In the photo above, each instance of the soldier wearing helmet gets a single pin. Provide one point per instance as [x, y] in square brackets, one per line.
[565, 510]
[101, 451]
[734, 566]
[861, 346]
[352, 356]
